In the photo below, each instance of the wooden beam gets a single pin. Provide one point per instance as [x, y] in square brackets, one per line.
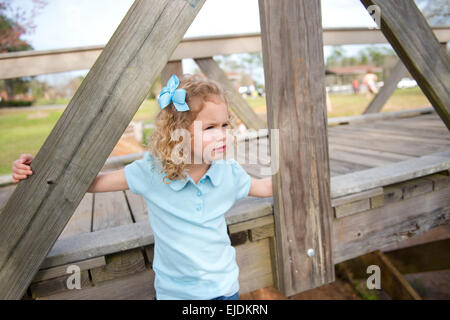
[426, 257]
[291, 33]
[391, 279]
[388, 174]
[371, 117]
[436, 234]
[387, 89]
[377, 228]
[31, 63]
[172, 67]
[408, 32]
[85, 135]
[237, 104]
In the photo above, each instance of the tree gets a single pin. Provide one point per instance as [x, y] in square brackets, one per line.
[335, 58]
[14, 23]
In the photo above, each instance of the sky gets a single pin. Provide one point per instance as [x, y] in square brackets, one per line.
[76, 23]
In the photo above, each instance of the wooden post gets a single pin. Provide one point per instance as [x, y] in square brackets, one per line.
[291, 33]
[85, 135]
[239, 106]
[172, 67]
[388, 88]
[406, 29]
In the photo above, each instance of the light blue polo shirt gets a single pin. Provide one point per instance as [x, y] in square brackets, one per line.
[193, 257]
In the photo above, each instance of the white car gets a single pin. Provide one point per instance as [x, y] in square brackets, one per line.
[406, 83]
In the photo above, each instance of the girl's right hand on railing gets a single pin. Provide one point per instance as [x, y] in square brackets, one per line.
[21, 168]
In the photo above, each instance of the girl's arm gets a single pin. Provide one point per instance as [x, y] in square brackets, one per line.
[104, 182]
[261, 188]
[110, 181]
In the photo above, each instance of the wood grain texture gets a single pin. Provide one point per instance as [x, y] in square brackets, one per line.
[31, 63]
[389, 174]
[172, 67]
[237, 104]
[411, 37]
[85, 135]
[111, 210]
[291, 34]
[374, 229]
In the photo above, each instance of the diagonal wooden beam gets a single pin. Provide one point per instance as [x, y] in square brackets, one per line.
[291, 33]
[172, 67]
[391, 279]
[237, 104]
[408, 32]
[387, 89]
[85, 135]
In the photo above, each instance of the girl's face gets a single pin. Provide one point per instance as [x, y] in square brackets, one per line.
[209, 132]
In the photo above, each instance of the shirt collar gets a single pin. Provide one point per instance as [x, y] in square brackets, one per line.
[214, 173]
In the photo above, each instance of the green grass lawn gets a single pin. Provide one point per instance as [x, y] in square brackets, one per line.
[24, 131]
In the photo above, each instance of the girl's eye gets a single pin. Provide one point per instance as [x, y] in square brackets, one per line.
[224, 125]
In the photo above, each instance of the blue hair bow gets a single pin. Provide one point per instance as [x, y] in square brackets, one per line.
[170, 93]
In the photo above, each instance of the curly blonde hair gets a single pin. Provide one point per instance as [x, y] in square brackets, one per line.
[169, 119]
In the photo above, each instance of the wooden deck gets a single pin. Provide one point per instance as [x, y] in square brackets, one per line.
[352, 147]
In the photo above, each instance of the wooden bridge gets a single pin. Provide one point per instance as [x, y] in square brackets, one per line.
[359, 185]
[110, 239]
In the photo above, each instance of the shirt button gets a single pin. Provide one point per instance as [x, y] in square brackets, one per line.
[199, 193]
[199, 208]
[202, 181]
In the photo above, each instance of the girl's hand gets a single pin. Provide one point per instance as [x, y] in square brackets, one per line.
[21, 168]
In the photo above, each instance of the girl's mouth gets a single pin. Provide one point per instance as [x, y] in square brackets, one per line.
[221, 149]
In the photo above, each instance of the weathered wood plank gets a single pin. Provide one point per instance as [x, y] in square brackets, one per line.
[57, 285]
[291, 34]
[344, 167]
[389, 174]
[5, 193]
[387, 144]
[111, 210]
[253, 259]
[377, 134]
[439, 233]
[384, 155]
[371, 230]
[85, 135]
[133, 287]
[137, 205]
[53, 280]
[172, 67]
[54, 272]
[263, 232]
[371, 117]
[432, 256]
[81, 221]
[99, 243]
[357, 196]
[365, 160]
[237, 104]
[411, 37]
[440, 181]
[352, 208]
[247, 225]
[387, 89]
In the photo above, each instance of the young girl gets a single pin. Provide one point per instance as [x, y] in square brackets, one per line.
[187, 196]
